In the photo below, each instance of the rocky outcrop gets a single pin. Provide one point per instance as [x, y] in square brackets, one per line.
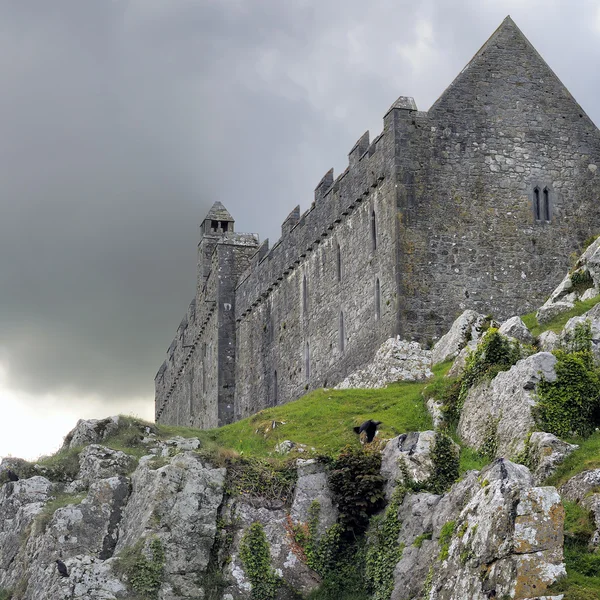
[409, 454]
[466, 328]
[584, 489]
[492, 535]
[396, 360]
[545, 452]
[312, 486]
[582, 283]
[500, 410]
[116, 507]
[548, 341]
[91, 431]
[515, 328]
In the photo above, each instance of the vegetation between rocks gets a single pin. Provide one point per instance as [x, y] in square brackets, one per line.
[143, 564]
[256, 559]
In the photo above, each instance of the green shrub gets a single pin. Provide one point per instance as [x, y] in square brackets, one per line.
[581, 280]
[383, 550]
[256, 559]
[446, 533]
[446, 463]
[569, 405]
[358, 488]
[5, 594]
[493, 354]
[145, 574]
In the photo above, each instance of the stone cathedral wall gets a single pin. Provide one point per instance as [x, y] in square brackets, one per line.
[477, 203]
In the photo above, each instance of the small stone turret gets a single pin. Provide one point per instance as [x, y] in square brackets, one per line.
[216, 224]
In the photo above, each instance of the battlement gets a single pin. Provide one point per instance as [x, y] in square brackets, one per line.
[334, 199]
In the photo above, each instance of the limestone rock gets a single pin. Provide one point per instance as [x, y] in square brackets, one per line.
[286, 563]
[515, 328]
[552, 309]
[171, 446]
[20, 502]
[91, 431]
[412, 450]
[396, 360]
[545, 453]
[99, 462]
[312, 486]
[460, 362]
[503, 407]
[178, 503]
[466, 328]
[591, 318]
[500, 524]
[583, 489]
[548, 341]
[566, 294]
[434, 407]
[589, 294]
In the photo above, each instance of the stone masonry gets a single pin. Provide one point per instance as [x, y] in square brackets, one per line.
[475, 204]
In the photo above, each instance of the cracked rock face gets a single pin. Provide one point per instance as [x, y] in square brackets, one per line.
[503, 407]
[286, 562]
[545, 454]
[179, 504]
[396, 360]
[506, 538]
[413, 450]
[90, 431]
[515, 328]
[465, 329]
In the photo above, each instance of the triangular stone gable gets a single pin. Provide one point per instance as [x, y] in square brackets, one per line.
[508, 70]
[218, 212]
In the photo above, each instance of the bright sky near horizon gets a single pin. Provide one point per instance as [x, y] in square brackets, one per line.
[124, 121]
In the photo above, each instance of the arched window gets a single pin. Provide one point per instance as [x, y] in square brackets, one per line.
[339, 263]
[307, 361]
[546, 204]
[373, 230]
[342, 334]
[377, 300]
[304, 296]
[275, 389]
[537, 211]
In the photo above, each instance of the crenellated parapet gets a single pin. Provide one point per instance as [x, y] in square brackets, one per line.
[335, 198]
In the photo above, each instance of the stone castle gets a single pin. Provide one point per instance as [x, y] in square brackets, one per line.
[476, 203]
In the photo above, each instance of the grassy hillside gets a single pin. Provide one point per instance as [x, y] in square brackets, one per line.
[323, 419]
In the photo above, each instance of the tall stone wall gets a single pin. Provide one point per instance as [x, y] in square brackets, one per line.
[452, 194]
[469, 237]
[306, 312]
[194, 387]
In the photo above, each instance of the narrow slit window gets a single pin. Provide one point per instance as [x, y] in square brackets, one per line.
[546, 204]
[339, 263]
[342, 334]
[275, 389]
[373, 230]
[305, 297]
[377, 300]
[536, 205]
[307, 361]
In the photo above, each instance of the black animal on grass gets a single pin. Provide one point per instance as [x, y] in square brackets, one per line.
[369, 428]
[62, 568]
[12, 476]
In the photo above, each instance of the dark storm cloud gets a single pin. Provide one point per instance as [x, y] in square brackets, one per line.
[123, 121]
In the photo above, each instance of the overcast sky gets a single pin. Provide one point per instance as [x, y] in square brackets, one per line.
[122, 121]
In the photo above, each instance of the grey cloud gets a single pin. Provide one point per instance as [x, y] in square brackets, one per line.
[123, 121]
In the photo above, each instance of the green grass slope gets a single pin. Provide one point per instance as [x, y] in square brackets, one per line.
[323, 419]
